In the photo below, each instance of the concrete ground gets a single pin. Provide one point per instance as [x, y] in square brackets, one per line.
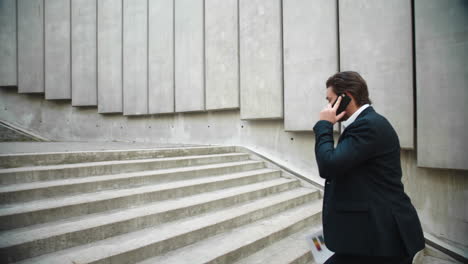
[434, 260]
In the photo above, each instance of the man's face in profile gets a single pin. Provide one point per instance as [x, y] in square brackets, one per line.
[331, 97]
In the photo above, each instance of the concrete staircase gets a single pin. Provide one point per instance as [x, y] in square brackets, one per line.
[212, 204]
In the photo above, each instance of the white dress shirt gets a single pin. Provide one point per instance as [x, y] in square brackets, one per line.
[354, 116]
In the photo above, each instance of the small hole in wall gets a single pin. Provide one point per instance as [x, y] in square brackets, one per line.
[149, 126]
[97, 125]
[6, 108]
[208, 125]
[242, 126]
[292, 138]
[121, 127]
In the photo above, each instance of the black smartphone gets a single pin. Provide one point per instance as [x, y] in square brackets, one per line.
[345, 100]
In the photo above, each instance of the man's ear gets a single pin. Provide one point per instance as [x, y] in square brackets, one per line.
[350, 96]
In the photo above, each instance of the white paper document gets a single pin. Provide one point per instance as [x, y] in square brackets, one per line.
[317, 245]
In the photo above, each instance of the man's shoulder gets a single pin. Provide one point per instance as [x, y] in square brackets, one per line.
[369, 118]
[378, 119]
[372, 126]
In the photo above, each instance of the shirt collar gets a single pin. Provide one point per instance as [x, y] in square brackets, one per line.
[353, 117]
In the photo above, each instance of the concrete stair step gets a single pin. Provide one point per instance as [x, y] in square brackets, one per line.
[243, 241]
[37, 240]
[36, 212]
[434, 260]
[149, 242]
[40, 190]
[55, 158]
[66, 171]
[292, 249]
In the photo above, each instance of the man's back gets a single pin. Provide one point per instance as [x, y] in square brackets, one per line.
[365, 210]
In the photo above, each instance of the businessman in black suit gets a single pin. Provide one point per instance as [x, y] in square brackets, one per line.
[367, 217]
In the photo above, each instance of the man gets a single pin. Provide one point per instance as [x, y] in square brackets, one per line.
[367, 217]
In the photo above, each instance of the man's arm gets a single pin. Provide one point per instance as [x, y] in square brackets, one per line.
[357, 146]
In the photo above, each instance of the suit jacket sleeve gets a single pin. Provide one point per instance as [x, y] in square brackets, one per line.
[358, 143]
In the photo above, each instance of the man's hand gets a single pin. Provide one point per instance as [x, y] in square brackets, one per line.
[329, 112]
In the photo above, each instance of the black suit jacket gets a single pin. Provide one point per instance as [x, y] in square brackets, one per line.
[365, 209]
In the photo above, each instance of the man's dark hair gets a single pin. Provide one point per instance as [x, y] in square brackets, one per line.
[352, 82]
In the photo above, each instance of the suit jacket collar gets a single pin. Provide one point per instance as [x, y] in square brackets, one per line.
[353, 117]
[366, 111]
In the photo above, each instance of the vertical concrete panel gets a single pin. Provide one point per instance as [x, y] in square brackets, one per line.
[221, 45]
[441, 31]
[30, 46]
[135, 57]
[376, 41]
[310, 57]
[110, 93]
[161, 56]
[84, 52]
[189, 56]
[57, 49]
[8, 43]
[261, 70]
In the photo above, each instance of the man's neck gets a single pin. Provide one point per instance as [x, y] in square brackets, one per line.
[352, 108]
[354, 115]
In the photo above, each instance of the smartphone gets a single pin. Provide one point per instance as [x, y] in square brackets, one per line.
[345, 100]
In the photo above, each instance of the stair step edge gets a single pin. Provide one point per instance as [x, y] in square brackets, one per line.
[212, 249]
[128, 243]
[113, 162]
[42, 231]
[87, 179]
[15, 208]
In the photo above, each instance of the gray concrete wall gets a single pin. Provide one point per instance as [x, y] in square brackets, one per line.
[8, 43]
[221, 54]
[135, 57]
[161, 56]
[30, 46]
[376, 41]
[84, 52]
[8, 134]
[158, 57]
[110, 36]
[439, 195]
[310, 57]
[189, 56]
[442, 83]
[57, 67]
[261, 63]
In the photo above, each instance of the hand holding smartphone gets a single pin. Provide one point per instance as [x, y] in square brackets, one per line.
[345, 100]
[334, 113]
